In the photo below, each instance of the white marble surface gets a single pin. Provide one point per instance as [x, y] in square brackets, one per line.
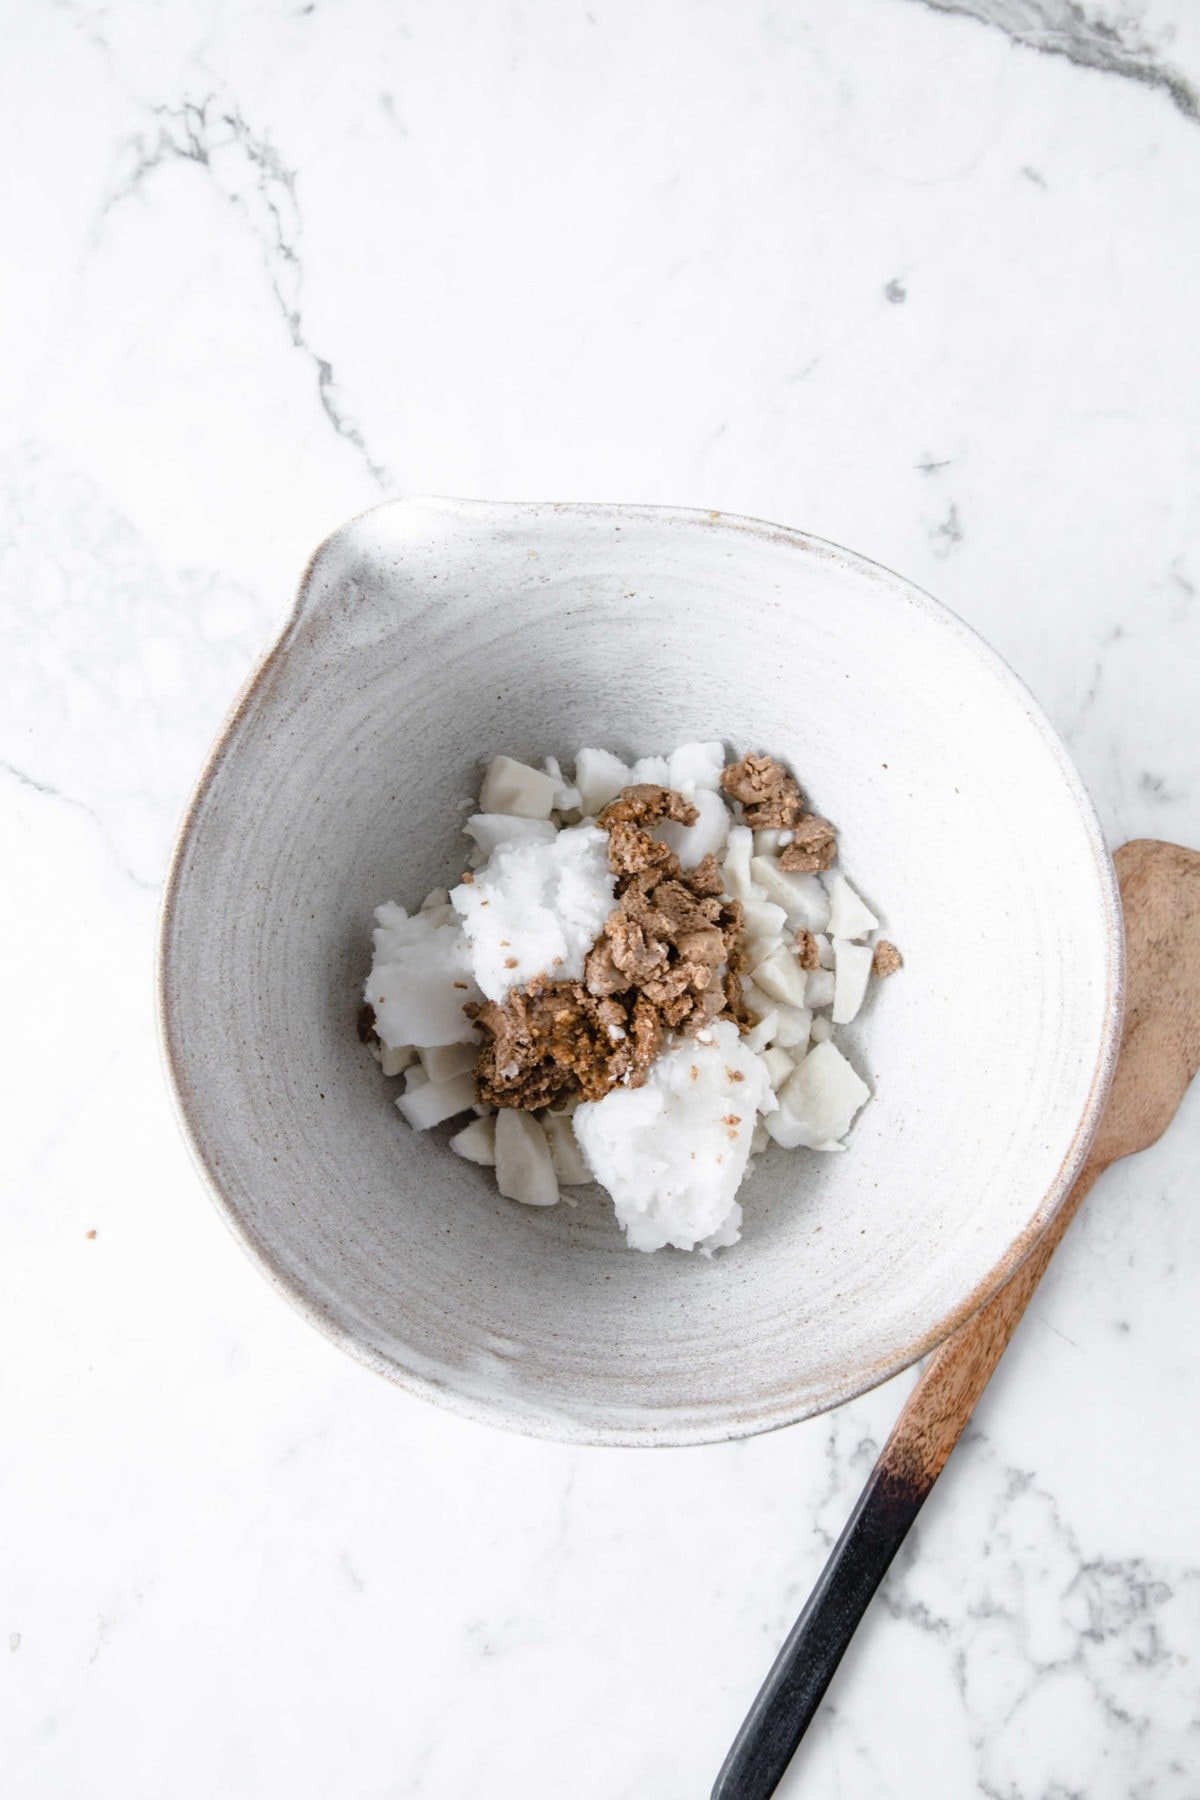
[923, 278]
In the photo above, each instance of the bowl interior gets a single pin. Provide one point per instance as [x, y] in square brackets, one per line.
[431, 634]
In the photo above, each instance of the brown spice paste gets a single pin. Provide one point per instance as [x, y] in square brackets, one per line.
[668, 959]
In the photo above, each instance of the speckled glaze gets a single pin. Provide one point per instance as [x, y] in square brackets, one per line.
[430, 633]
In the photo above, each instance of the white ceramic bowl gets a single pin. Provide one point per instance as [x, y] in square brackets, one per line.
[429, 634]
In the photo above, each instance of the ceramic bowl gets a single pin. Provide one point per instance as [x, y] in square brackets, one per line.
[430, 634]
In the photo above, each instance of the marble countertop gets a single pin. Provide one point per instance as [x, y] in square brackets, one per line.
[923, 278]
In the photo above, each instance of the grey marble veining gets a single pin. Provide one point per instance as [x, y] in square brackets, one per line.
[1117, 44]
[917, 275]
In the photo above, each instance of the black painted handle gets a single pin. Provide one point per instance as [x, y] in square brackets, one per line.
[818, 1640]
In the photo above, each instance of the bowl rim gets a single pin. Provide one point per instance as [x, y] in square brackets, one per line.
[544, 1422]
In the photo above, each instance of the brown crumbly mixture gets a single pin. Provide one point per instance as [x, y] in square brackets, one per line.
[771, 798]
[808, 954]
[813, 847]
[886, 960]
[549, 1043]
[667, 960]
[646, 804]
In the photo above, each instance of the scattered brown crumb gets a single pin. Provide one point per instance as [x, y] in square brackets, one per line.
[770, 797]
[735, 1000]
[90, 1234]
[646, 804]
[462, 984]
[633, 851]
[510, 962]
[732, 1119]
[734, 1074]
[808, 954]
[813, 846]
[886, 960]
[468, 879]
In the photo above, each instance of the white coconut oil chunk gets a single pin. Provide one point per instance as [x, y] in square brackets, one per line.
[420, 981]
[673, 1152]
[536, 909]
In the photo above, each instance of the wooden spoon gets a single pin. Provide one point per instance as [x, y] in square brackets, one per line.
[1160, 1052]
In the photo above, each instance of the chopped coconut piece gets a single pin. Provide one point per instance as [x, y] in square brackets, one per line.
[760, 1138]
[852, 965]
[793, 1027]
[524, 1170]
[420, 980]
[758, 949]
[599, 776]
[822, 1028]
[442, 1061]
[394, 1060]
[802, 897]
[825, 949]
[821, 988]
[697, 766]
[414, 1077]
[490, 830]
[566, 797]
[756, 1002]
[672, 1152]
[763, 918]
[537, 909]
[436, 897]
[779, 1066]
[513, 787]
[653, 770]
[849, 917]
[692, 843]
[762, 1034]
[737, 862]
[823, 1095]
[433, 1101]
[476, 1142]
[565, 1153]
[767, 841]
[781, 977]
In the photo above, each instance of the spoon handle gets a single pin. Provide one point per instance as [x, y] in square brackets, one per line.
[795, 1687]
[927, 1430]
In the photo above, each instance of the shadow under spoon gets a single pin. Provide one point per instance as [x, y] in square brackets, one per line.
[1160, 1052]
